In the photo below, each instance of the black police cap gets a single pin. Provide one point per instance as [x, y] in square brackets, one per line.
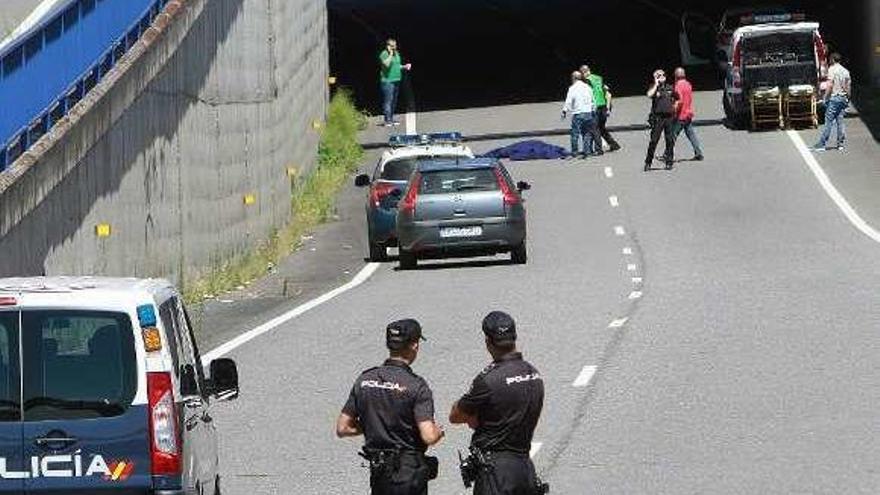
[499, 327]
[400, 333]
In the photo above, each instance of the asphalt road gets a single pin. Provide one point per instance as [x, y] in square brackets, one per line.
[745, 363]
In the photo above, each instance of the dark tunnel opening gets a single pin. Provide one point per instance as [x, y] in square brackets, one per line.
[473, 53]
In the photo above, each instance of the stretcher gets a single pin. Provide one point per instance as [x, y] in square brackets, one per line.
[801, 106]
[766, 106]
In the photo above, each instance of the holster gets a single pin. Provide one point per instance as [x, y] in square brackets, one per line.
[433, 466]
[384, 461]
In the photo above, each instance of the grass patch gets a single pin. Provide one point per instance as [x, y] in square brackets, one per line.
[312, 203]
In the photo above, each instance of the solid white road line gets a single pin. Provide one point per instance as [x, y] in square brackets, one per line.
[583, 379]
[636, 294]
[619, 231]
[536, 446]
[609, 172]
[274, 323]
[841, 202]
[627, 251]
[410, 122]
[618, 323]
[631, 267]
[637, 280]
[614, 201]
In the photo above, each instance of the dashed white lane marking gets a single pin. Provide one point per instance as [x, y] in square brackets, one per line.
[586, 374]
[619, 231]
[627, 251]
[841, 202]
[536, 446]
[631, 267]
[609, 172]
[361, 277]
[410, 121]
[614, 201]
[636, 294]
[637, 280]
[618, 323]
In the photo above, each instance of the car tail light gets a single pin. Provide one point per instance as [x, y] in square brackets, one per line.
[408, 203]
[379, 191]
[8, 301]
[510, 196]
[165, 448]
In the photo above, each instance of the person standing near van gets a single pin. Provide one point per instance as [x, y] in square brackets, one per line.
[837, 97]
[394, 409]
[661, 119]
[602, 99]
[684, 114]
[390, 74]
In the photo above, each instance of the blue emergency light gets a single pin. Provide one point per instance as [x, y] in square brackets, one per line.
[146, 315]
[434, 138]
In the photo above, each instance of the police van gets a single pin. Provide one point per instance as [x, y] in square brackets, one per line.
[102, 390]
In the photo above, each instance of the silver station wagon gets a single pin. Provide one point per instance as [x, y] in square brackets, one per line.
[464, 207]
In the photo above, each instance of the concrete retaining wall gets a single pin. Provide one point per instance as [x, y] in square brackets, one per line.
[170, 151]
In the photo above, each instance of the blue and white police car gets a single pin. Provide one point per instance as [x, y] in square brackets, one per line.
[102, 390]
[390, 177]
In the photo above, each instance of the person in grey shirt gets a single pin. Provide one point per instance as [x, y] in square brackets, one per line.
[837, 95]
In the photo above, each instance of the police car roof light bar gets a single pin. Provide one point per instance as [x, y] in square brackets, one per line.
[435, 138]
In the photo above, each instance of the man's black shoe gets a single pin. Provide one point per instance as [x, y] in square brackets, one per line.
[647, 167]
[669, 166]
[615, 147]
[698, 158]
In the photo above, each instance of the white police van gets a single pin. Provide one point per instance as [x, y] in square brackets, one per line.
[102, 390]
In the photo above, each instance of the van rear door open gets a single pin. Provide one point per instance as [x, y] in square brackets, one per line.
[780, 55]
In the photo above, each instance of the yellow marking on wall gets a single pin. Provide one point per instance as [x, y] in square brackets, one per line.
[103, 230]
[331, 80]
[250, 199]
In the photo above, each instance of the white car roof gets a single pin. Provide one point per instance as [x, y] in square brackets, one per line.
[788, 27]
[434, 150]
[85, 292]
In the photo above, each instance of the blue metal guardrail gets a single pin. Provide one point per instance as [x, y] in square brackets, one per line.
[44, 74]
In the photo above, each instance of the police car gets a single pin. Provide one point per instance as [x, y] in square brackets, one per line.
[390, 177]
[102, 390]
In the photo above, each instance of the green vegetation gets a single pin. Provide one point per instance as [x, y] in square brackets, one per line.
[312, 202]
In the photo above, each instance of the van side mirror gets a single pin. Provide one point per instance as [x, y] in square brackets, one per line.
[224, 379]
[523, 186]
[362, 180]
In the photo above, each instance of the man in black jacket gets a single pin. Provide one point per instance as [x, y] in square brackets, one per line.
[662, 119]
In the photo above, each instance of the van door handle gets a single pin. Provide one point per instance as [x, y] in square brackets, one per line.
[45, 441]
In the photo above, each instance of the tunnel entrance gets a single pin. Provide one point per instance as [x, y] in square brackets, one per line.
[471, 53]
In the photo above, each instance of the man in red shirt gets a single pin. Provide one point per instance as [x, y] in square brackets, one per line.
[684, 114]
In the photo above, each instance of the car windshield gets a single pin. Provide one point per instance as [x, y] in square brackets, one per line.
[77, 364]
[460, 180]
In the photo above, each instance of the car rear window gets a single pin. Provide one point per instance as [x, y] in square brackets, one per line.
[398, 169]
[77, 364]
[461, 180]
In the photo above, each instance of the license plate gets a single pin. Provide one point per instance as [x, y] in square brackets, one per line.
[461, 232]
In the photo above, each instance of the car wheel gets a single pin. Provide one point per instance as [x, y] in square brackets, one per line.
[408, 260]
[378, 252]
[519, 254]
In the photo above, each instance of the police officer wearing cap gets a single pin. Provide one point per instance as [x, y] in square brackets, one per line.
[394, 409]
[503, 406]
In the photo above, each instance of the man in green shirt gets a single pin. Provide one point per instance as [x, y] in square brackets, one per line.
[602, 96]
[390, 73]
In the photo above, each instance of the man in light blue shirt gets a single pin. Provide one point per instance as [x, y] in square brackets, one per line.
[580, 104]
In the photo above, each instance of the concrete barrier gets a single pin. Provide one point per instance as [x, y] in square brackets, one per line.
[180, 159]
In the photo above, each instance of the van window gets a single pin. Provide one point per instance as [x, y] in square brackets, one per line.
[168, 315]
[77, 364]
[10, 408]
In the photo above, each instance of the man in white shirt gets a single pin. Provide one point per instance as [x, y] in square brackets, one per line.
[837, 95]
[579, 103]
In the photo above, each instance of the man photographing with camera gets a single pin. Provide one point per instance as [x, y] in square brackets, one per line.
[661, 119]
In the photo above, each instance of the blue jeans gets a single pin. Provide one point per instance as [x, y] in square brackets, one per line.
[583, 127]
[688, 127]
[389, 99]
[834, 111]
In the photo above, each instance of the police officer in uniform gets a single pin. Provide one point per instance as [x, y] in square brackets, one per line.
[503, 406]
[394, 409]
[662, 119]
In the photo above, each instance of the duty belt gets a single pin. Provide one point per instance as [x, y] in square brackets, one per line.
[382, 460]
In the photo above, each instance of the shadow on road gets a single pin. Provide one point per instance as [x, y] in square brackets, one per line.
[439, 265]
